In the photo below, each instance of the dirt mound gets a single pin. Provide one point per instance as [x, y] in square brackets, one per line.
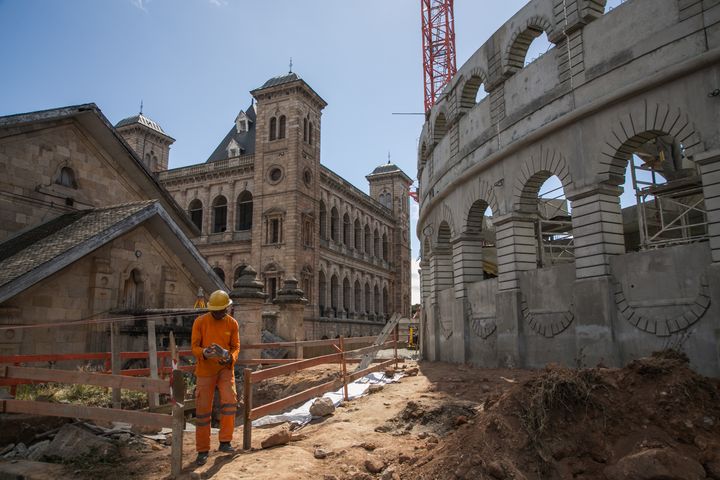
[419, 418]
[651, 420]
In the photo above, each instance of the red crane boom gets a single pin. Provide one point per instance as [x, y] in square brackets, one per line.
[438, 38]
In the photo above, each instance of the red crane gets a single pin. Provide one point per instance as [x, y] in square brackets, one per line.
[438, 38]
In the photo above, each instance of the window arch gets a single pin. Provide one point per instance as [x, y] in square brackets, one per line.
[310, 133]
[385, 301]
[66, 178]
[244, 211]
[134, 290]
[358, 297]
[334, 225]
[440, 128]
[306, 276]
[473, 91]
[281, 126]
[368, 240]
[334, 294]
[323, 221]
[376, 243]
[322, 292]
[376, 299]
[305, 129]
[219, 214]
[347, 227]
[272, 281]
[346, 295]
[195, 210]
[385, 247]
[238, 272]
[220, 273]
[358, 235]
[273, 128]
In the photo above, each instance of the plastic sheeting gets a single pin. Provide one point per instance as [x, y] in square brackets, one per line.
[301, 415]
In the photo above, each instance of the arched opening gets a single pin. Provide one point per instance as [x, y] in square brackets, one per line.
[613, 4]
[310, 133]
[322, 293]
[368, 299]
[334, 225]
[443, 258]
[66, 178]
[305, 129]
[238, 272]
[385, 302]
[195, 210]
[478, 248]
[553, 224]
[440, 128]
[358, 297]
[376, 243]
[663, 202]
[472, 92]
[334, 294]
[346, 295]
[244, 211]
[368, 240]
[134, 290]
[385, 254]
[281, 126]
[376, 298]
[347, 227]
[273, 129]
[323, 221]
[219, 214]
[306, 282]
[220, 273]
[528, 46]
[537, 48]
[358, 235]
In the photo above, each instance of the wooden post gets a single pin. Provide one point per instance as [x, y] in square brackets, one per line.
[13, 388]
[247, 400]
[178, 422]
[153, 398]
[396, 342]
[344, 369]
[115, 361]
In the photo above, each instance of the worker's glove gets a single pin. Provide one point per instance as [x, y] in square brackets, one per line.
[213, 351]
[227, 360]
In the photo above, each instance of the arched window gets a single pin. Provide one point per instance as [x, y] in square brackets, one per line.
[334, 294]
[66, 178]
[281, 130]
[368, 240]
[440, 128]
[305, 129]
[323, 221]
[134, 292]
[219, 214]
[376, 243]
[385, 301]
[385, 247]
[376, 298]
[244, 211]
[272, 281]
[273, 128]
[368, 298]
[195, 210]
[220, 273]
[347, 227]
[310, 133]
[358, 297]
[322, 294]
[238, 272]
[306, 276]
[346, 294]
[358, 235]
[334, 225]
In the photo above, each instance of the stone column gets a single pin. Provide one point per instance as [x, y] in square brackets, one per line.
[516, 252]
[598, 235]
[290, 321]
[709, 163]
[248, 300]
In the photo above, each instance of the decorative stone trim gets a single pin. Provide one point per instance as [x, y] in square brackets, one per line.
[483, 326]
[546, 323]
[664, 327]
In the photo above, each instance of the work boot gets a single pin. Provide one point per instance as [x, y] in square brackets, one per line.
[201, 458]
[225, 447]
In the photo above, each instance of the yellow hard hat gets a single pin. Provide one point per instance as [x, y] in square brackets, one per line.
[219, 300]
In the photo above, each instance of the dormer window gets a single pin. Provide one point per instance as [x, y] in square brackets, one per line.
[242, 124]
[233, 149]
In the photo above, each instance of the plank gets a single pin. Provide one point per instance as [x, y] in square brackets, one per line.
[90, 413]
[282, 404]
[87, 378]
[294, 367]
[361, 373]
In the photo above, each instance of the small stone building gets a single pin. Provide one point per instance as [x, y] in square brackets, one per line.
[85, 230]
[263, 199]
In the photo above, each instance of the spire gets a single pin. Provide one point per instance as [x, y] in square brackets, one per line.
[141, 106]
[290, 66]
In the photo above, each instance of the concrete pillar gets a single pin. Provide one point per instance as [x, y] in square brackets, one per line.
[510, 334]
[597, 229]
[248, 300]
[709, 163]
[467, 263]
[516, 248]
[290, 321]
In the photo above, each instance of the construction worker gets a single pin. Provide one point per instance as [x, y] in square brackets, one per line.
[215, 345]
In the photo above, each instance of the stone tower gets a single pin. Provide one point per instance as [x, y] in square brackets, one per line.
[148, 140]
[389, 185]
[286, 178]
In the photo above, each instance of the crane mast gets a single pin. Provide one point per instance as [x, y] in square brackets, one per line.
[438, 38]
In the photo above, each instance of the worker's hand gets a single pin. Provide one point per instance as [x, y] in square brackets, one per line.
[225, 360]
[211, 351]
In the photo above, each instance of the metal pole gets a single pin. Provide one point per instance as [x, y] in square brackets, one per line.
[247, 400]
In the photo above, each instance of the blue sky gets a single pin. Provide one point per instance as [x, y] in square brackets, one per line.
[193, 62]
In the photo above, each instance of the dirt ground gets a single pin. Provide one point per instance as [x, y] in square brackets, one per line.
[654, 419]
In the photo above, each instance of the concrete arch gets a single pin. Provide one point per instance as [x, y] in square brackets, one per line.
[468, 90]
[539, 167]
[520, 41]
[642, 122]
[482, 190]
[440, 124]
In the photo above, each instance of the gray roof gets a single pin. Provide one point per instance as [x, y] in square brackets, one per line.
[290, 77]
[387, 168]
[142, 120]
[32, 255]
[246, 140]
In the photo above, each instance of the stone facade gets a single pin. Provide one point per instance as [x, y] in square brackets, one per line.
[268, 202]
[110, 237]
[637, 84]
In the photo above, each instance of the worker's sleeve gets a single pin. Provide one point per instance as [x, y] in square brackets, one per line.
[196, 340]
[235, 341]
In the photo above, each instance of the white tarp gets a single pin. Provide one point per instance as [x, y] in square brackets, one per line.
[301, 415]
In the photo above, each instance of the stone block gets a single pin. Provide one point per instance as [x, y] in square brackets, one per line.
[72, 442]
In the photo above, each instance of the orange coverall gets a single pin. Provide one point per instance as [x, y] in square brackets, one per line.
[209, 372]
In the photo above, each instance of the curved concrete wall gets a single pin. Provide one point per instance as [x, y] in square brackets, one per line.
[611, 82]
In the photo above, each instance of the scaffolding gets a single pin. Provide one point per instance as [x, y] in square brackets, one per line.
[553, 229]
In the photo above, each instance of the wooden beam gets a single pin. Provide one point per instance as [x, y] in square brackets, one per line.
[87, 378]
[91, 413]
[294, 367]
[354, 376]
[282, 404]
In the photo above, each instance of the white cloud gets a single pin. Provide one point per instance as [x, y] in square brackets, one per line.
[140, 4]
[219, 3]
